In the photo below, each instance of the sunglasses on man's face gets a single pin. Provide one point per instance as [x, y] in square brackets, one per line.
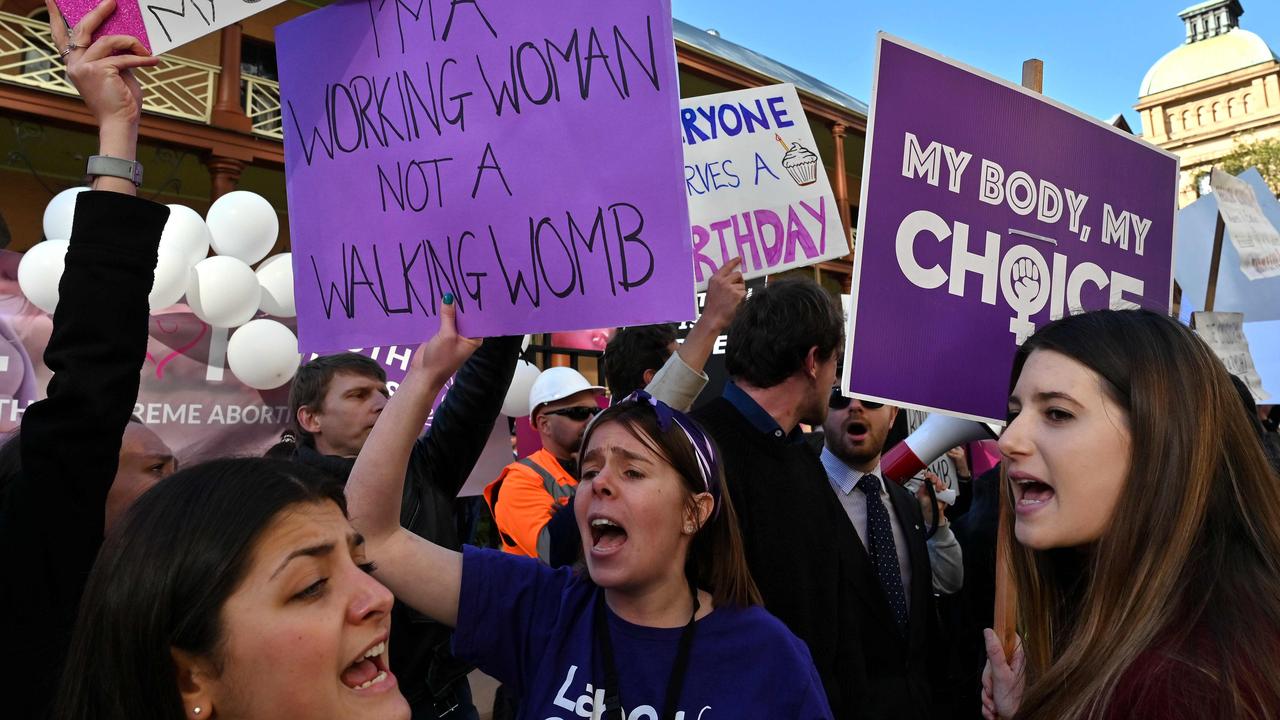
[840, 401]
[576, 414]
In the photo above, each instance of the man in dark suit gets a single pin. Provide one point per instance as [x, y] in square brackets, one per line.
[781, 358]
[894, 586]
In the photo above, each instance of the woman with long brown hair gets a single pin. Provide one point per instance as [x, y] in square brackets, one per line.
[664, 624]
[1145, 531]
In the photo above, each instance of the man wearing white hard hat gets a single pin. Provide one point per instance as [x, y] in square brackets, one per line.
[531, 490]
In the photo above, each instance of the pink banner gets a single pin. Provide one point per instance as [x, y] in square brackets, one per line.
[199, 409]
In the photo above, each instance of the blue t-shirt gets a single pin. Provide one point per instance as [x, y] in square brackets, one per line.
[530, 627]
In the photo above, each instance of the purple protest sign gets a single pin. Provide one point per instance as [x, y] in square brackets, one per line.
[524, 157]
[988, 210]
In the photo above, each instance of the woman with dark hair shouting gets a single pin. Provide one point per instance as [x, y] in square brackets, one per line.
[233, 589]
[238, 589]
[1145, 539]
[664, 623]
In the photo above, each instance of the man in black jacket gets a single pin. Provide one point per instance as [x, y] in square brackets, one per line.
[891, 560]
[781, 358]
[334, 402]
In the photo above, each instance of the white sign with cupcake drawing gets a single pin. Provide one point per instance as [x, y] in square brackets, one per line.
[756, 186]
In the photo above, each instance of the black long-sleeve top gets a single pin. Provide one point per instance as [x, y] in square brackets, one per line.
[52, 513]
[798, 545]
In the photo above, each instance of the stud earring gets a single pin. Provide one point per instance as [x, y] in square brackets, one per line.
[195, 710]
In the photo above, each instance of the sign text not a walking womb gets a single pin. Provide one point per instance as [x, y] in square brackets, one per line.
[524, 157]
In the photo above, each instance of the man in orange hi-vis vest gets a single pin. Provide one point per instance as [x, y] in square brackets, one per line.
[531, 490]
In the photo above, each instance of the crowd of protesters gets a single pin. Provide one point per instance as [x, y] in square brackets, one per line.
[651, 560]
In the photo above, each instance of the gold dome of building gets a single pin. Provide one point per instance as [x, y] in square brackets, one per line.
[1233, 50]
[1219, 89]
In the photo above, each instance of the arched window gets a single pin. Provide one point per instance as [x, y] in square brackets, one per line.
[1232, 107]
[1217, 112]
[1200, 116]
[1248, 103]
[1186, 120]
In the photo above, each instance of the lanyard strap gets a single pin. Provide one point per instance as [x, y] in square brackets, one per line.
[612, 700]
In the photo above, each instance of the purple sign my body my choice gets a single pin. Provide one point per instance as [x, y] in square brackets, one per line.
[988, 210]
[524, 157]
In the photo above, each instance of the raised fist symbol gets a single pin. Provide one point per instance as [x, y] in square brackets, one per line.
[1026, 280]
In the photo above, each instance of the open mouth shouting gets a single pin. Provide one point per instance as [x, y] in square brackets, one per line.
[857, 431]
[369, 673]
[607, 535]
[1030, 493]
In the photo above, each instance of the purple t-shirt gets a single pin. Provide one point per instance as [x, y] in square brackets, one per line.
[531, 628]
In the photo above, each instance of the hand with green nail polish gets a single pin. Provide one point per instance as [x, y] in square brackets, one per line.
[441, 356]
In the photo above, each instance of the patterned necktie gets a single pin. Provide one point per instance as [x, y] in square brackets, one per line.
[883, 552]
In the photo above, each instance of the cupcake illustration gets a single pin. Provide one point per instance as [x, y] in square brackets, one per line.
[800, 162]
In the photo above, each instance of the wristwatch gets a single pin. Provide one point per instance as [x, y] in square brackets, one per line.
[115, 167]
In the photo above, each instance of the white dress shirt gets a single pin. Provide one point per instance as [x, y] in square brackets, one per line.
[844, 480]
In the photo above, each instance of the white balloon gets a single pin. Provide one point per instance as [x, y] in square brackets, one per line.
[40, 271]
[516, 404]
[243, 225]
[59, 213]
[173, 275]
[263, 354]
[223, 291]
[275, 274]
[186, 234]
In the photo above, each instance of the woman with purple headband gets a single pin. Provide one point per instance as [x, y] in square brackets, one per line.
[664, 625]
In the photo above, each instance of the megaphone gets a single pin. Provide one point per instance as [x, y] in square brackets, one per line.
[935, 436]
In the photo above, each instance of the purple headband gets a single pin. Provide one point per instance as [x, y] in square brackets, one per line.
[703, 449]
